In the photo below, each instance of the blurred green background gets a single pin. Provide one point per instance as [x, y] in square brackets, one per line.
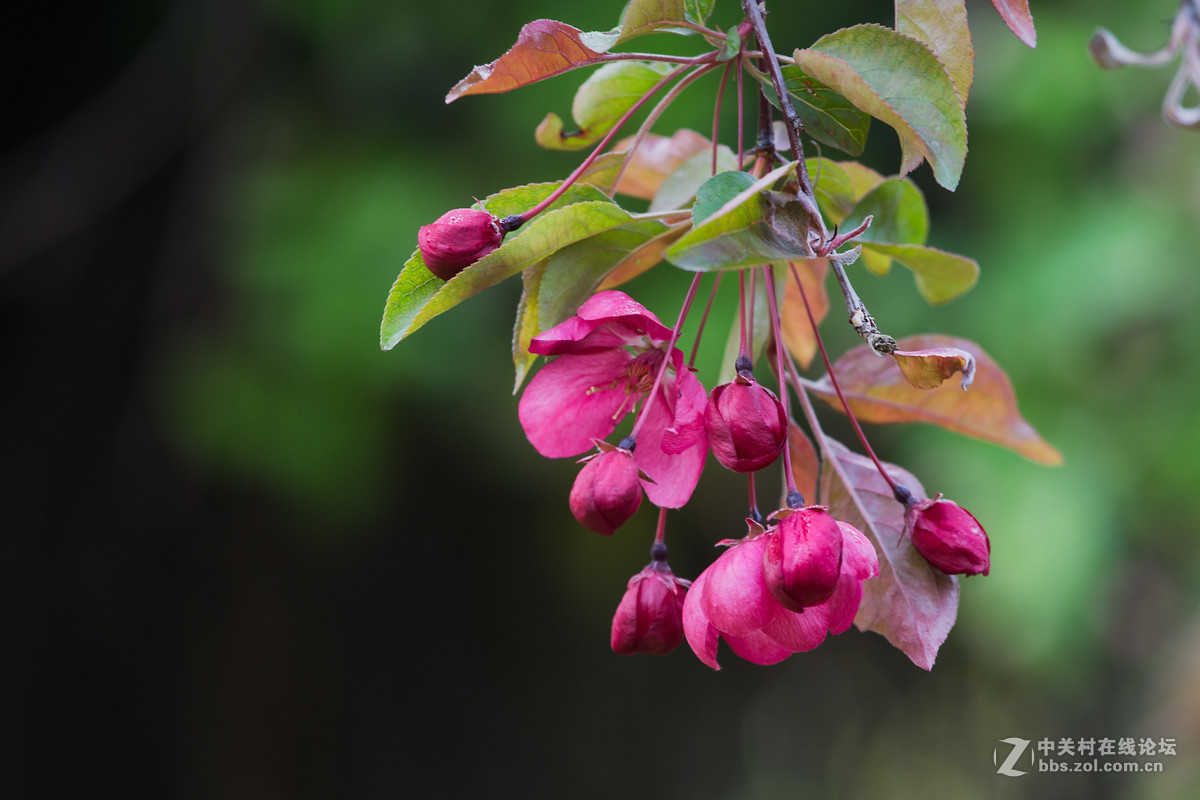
[247, 554]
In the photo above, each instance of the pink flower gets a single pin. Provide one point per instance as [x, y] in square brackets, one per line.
[731, 600]
[650, 616]
[745, 423]
[458, 239]
[609, 354]
[606, 492]
[948, 537]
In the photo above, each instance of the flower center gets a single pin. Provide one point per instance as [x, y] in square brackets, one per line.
[642, 370]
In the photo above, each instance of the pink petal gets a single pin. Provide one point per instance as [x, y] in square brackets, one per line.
[607, 319]
[558, 413]
[841, 608]
[675, 475]
[858, 552]
[736, 599]
[618, 306]
[758, 648]
[687, 425]
[576, 335]
[799, 632]
[702, 637]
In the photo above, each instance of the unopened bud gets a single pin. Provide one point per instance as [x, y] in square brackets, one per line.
[650, 617]
[803, 558]
[458, 239]
[746, 425]
[607, 492]
[949, 537]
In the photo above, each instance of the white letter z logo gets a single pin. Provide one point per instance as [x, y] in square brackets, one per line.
[1018, 748]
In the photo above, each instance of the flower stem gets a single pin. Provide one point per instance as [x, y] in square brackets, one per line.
[520, 219]
[862, 437]
[662, 370]
[704, 320]
[716, 129]
[784, 398]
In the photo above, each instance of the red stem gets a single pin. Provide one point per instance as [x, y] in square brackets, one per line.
[587, 162]
[704, 319]
[862, 437]
[662, 370]
[777, 329]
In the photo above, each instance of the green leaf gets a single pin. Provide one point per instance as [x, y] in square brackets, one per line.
[415, 299]
[678, 189]
[900, 217]
[544, 48]
[897, 80]
[911, 603]
[697, 11]
[717, 191]
[942, 26]
[757, 226]
[940, 276]
[828, 116]
[600, 102]
[555, 287]
[646, 16]
[731, 46]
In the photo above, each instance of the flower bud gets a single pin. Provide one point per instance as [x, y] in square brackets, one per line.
[458, 239]
[803, 558]
[650, 616]
[949, 537]
[607, 491]
[746, 424]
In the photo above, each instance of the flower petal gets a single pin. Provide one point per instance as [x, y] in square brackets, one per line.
[758, 648]
[687, 425]
[675, 475]
[735, 597]
[607, 319]
[559, 410]
[858, 552]
[702, 637]
[799, 632]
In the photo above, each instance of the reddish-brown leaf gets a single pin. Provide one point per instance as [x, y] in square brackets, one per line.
[928, 369]
[798, 334]
[805, 466]
[544, 48]
[911, 603]
[878, 392]
[1016, 15]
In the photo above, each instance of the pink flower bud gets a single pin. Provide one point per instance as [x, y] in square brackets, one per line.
[650, 616]
[949, 537]
[746, 424]
[458, 239]
[607, 491]
[802, 561]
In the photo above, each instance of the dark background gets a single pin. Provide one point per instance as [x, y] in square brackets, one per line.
[245, 554]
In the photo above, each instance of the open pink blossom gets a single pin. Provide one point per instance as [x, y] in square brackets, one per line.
[731, 600]
[609, 354]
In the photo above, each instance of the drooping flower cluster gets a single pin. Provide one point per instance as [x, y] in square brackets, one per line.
[779, 591]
